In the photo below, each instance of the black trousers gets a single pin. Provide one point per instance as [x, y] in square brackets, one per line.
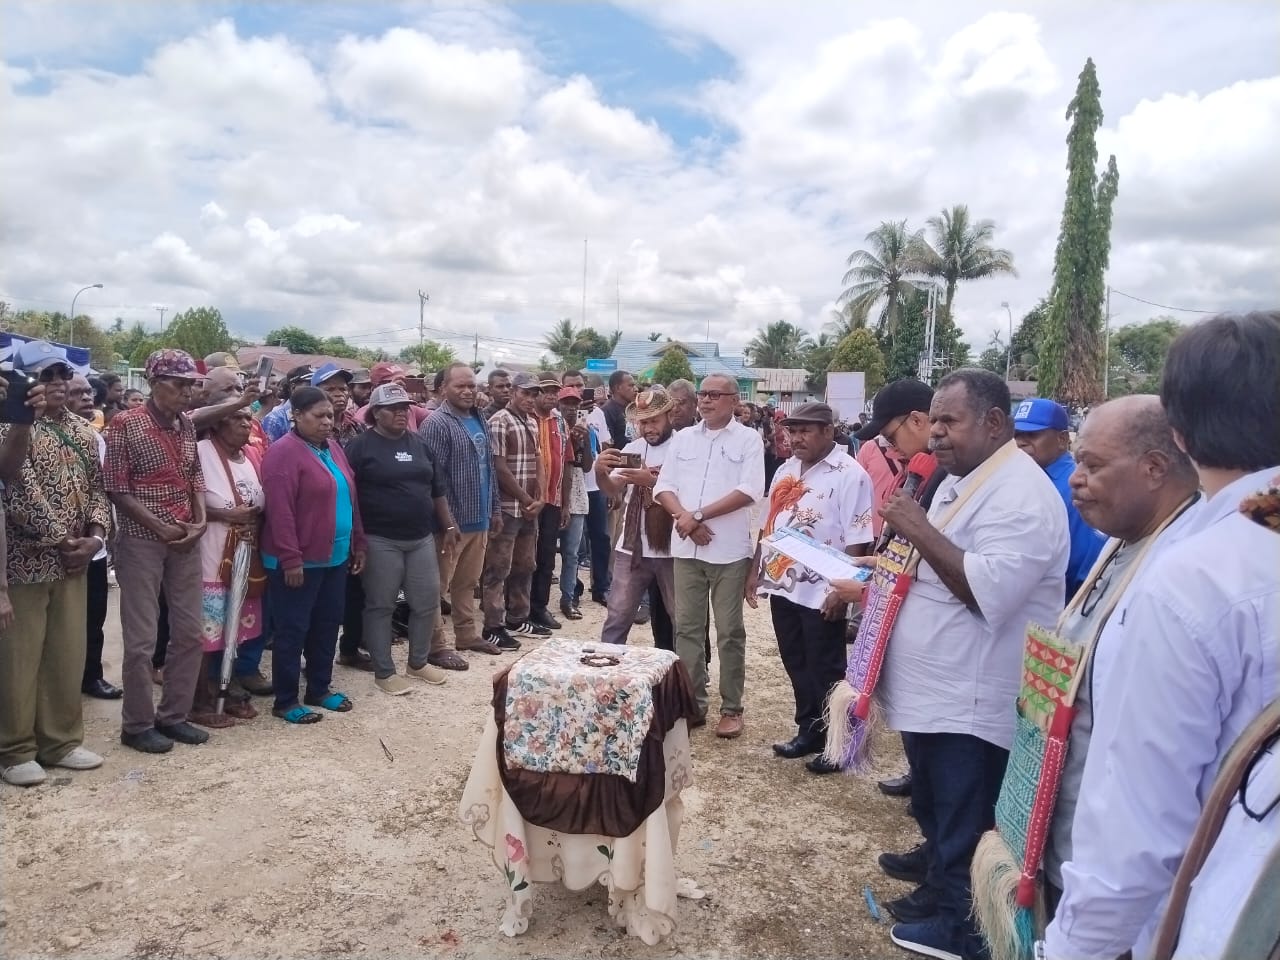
[95, 620]
[545, 556]
[352, 641]
[664, 635]
[813, 653]
[955, 781]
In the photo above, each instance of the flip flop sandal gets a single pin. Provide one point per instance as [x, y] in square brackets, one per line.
[296, 714]
[337, 702]
[448, 660]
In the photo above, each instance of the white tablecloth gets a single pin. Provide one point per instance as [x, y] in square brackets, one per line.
[639, 871]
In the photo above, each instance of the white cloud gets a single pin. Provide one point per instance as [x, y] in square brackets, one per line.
[574, 115]
[444, 88]
[324, 181]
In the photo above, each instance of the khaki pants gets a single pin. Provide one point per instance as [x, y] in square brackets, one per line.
[721, 583]
[41, 665]
[460, 570]
[508, 570]
[142, 568]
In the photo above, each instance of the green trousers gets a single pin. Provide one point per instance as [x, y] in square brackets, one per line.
[698, 582]
[41, 666]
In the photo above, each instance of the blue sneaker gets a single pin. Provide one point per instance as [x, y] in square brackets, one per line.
[929, 938]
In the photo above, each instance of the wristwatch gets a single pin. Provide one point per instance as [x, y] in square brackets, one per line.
[697, 515]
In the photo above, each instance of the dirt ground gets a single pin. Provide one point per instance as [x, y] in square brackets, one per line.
[280, 841]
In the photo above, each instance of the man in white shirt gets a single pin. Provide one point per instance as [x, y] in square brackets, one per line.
[821, 492]
[993, 551]
[1199, 663]
[640, 562]
[713, 475]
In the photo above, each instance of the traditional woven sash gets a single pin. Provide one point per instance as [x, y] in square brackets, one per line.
[1007, 862]
[849, 709]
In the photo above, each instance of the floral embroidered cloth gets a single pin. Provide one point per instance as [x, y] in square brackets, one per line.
[566, 716]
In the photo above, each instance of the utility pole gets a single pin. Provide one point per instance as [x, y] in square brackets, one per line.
[475, 356]
[422, 317]
[162, 311]
[618, 326]
[584, 281]
[1106, 349]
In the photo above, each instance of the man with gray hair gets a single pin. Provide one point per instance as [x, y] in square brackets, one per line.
[712, 476]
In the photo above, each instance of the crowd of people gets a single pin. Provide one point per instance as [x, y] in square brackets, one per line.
[373, 505]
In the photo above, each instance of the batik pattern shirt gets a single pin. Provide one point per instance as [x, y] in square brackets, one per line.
[831, 502]
[57, 494]
[157, 463]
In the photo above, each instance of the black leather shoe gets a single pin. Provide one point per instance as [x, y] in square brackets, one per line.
[101, 690]
[897, 787]
[148, 741]
[543, 618]
[821, 764]
[798, 747]
[184, 733]
[910, 866]
[569, 611]
[920, 904]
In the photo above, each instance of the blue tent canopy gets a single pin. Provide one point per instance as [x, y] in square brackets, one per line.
[77, 357]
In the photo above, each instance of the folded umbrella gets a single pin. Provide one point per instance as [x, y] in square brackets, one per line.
[231, 624]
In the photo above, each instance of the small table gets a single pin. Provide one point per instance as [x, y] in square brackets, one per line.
[583, 785]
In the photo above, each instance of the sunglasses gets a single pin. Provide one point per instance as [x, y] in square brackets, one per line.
[56, 371]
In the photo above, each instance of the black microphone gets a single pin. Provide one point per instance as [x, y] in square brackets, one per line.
[909, 488]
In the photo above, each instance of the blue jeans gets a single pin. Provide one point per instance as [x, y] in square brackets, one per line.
[249, 654]
[955, 780]
[570, 543]
[597, 537]
[306, 621]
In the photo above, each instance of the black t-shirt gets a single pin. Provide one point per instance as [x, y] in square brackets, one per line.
[396, 481]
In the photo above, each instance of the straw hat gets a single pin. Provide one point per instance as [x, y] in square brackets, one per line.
[653, 402]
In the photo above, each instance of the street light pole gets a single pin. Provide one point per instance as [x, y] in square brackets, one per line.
[1008, 354]
[71, 333]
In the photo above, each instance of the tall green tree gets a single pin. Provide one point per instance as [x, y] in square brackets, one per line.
[780, 344]
[1137, 355]
[57, 327]
[293, 339]
[882, 274]
[902, 354]
[674, 365]
[200, 331]
[338, 347]
[817, 359]
[429, 355]
[959, 248]
[1071, 361]
[1028, 342]
[572, 346]
[860, 351]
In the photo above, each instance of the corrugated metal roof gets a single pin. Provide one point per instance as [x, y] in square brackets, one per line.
[639, 356]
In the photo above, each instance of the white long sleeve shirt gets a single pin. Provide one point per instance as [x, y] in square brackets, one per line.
[1198, 664]
[701, 467]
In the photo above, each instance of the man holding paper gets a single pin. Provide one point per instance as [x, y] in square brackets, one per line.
[822, 493]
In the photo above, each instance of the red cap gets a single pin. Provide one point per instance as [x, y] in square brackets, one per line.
[385, 372]
[570, 392]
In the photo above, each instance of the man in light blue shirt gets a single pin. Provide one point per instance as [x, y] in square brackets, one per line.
[1201, 659]
[1042, 430]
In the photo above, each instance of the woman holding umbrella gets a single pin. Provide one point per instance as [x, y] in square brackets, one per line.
[233, 504]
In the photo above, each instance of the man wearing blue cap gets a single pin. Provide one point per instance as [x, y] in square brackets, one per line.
[1042, 430]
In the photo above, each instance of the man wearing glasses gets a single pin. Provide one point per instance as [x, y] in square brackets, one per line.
[898, 429]
[712, 476]
[56, 516]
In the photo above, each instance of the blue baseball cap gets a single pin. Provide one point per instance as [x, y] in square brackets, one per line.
[34, 355]
[1040, 414]
[328, 372]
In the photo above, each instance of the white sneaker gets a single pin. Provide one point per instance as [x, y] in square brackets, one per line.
[394, 685]
[80, 759]
[23, 774]
[427, 673]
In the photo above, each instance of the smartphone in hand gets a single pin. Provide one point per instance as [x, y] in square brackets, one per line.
[15, 409]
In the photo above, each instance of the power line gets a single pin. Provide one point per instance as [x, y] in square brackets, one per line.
[1162, 306]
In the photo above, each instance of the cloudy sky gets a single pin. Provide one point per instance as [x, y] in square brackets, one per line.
[320, 163]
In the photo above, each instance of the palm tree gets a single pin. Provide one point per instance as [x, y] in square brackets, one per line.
[781, 344]
[882, 274]
[562, 341]
[843, 323]
[960, 250]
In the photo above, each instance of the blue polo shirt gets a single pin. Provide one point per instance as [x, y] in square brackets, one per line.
[1086, 542]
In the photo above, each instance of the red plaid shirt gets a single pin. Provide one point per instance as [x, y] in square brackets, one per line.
[154, 461]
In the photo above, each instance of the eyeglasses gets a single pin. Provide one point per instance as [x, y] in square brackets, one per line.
[715, 394]
[891, 438]
[56, 372]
